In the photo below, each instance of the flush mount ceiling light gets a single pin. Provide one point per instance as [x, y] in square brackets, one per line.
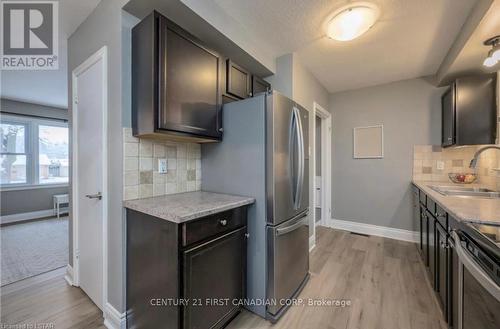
[352, 21]
[494, 54]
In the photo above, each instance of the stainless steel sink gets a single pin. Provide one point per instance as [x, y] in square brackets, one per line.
[460, 191]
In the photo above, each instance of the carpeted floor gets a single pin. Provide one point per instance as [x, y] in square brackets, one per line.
[32, 248]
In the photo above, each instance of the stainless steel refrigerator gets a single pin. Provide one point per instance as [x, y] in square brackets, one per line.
[265, 154]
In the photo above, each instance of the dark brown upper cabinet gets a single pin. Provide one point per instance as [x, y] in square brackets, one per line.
[259, 85]
[469, 111]
[238, 81]
[176, 83]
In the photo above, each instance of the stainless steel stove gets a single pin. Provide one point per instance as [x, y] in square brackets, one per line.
[490, 231]
[478, 249]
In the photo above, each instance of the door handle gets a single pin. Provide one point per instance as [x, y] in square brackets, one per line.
[300, 141]
[94, 196]
[293, 227]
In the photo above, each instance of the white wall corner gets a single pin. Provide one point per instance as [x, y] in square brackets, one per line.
[69, 275]
[369, 229]
[312, 243]
[114, 319]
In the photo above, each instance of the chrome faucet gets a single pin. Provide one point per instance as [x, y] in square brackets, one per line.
[473, 162]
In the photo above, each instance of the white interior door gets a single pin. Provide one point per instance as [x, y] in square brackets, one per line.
[90, 173]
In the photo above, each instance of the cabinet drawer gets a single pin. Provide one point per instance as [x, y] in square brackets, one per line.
[210, 226]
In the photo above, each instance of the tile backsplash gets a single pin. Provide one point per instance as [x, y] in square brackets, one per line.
[141, 178]
[457, 159]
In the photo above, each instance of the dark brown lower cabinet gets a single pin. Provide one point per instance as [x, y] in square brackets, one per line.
[189, 275]
[453, 285]
[442, 267]
[424, 233]
[432, 247]
[214, 275]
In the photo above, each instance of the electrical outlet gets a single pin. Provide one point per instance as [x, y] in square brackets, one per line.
[162, 166]
[440, 165]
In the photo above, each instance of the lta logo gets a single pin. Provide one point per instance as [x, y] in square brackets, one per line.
[29, 35]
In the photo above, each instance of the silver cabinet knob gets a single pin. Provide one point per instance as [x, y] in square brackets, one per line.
[223, 222]
[94, 196]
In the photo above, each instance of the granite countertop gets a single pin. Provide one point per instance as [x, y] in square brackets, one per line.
[477, 210]
[183, 207]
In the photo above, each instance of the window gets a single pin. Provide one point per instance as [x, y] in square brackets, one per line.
[33, 151]
[14, 153]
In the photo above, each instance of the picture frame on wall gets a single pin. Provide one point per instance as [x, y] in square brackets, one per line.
[368, 142]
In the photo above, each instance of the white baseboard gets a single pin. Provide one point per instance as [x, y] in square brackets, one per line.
[29, 215]
[69, 275]
[114, 319]
[312, 243]
[383, 231]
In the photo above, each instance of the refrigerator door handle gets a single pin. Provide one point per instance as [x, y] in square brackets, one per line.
[300, 147]
[303, 221]
[292, 131]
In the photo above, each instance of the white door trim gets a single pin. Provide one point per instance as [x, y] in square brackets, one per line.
[100, 55]
[326, 166]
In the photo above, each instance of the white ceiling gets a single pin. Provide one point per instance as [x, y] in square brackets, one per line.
[410, 40]
[49, 87]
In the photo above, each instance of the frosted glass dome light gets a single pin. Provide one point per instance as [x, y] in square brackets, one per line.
[352, 21]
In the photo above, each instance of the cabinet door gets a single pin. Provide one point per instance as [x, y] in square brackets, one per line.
[453, 286]
[424, 227]
[214, 276]
[448, 117]
[432, 248]
[442, 267]
[238, 81]
[189, 95]
[259, 85]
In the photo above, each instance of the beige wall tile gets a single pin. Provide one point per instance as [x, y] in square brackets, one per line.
[146, 148]
[131, 149]
[159, 151]
[131, 192]
[145, 190]
[131, 163]
[131, 177]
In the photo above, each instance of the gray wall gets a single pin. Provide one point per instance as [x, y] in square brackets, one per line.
[21, 201]
[104, 27]
[377, 191]
[14, 201]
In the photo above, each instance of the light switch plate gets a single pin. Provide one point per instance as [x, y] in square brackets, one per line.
[162, 166]
[440, 165]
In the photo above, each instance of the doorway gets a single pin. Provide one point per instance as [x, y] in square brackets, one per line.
[322, 153]
[89, 188]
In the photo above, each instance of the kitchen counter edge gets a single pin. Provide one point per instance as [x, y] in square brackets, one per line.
[184, 207]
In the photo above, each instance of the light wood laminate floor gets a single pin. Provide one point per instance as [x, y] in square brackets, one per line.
[383, 278]
[47, 301]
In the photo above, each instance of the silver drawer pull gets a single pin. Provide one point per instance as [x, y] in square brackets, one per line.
[223, 222]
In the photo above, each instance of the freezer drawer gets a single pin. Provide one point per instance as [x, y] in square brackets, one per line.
[288, 260]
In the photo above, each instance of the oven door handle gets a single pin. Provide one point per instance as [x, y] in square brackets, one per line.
[476, 270]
